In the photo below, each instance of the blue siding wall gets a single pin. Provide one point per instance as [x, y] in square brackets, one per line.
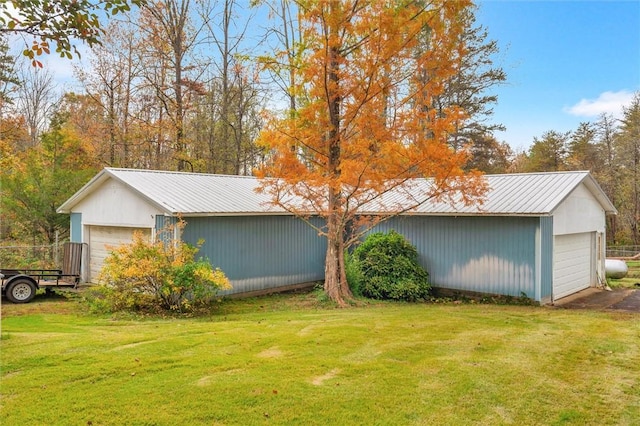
[259, 253]
[76, 228]
[484, 254]
[165, 228]
[499, 255]
[545, 255]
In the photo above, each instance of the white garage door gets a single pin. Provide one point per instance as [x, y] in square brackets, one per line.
[573, 263]
[102, 239]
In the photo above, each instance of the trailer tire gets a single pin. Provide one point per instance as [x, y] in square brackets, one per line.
[21, 290]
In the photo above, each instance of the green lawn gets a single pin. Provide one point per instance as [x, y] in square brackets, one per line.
[633, 276]
[293, 360]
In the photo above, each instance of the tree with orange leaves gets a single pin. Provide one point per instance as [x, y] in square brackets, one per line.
[366, 135]
[62, 22]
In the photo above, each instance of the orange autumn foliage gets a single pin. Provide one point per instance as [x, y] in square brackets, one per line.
[365, 126]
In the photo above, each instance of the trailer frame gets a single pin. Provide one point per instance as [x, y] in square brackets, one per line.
[20, 285]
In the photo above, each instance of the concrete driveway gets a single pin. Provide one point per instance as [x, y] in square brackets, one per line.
[621, 299]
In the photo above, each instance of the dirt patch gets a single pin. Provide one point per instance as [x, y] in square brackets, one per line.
[308, 330]
[273, 352]
[204, 381]
[319, 380]
[132, 345]
[11, 374]
[207, 380]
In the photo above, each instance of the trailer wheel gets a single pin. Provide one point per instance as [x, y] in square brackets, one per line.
[21, 290]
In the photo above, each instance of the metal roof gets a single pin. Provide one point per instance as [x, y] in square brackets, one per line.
[524, 194]
[185, 193]
[192, 194]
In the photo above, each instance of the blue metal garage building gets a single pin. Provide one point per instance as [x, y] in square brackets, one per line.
[538, 234]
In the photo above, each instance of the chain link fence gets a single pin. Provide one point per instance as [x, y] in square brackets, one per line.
[31, 257]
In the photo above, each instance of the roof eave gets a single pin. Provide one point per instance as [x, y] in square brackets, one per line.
[595, 189]
[601, 196]
[227, 214]
[469, 214]
[104, 175]
[68, 205]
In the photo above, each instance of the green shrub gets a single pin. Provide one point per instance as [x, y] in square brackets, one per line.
[388, 269]
[354, 274]
[145, 276]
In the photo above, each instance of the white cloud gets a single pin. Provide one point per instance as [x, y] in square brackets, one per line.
[606, 103]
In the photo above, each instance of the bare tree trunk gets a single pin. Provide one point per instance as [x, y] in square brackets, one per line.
[335, 278]
[224, 48]
[179, 118]
[335, 282]
[170, 20]
[635, 202]
[35, 100]
[111, 93]
[176, 23]
[126, 161]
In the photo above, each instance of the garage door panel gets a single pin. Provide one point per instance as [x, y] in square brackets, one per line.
[102, 239]
[573, 263]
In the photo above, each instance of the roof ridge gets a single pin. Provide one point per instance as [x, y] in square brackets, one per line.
[154, 171]
[537, 193]
[558, 172]
[176, 172]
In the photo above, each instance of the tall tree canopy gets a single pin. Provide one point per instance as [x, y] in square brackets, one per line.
[469, 87]
[58, 21]
[368, 126]
[628, 146]
[548, 153]
[38, 180]
[8, 78]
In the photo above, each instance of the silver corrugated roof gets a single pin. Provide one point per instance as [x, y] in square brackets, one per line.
[524, 194]
[207, 194]
[187, 193]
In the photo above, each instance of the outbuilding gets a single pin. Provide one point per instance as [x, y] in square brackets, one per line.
[539, 235]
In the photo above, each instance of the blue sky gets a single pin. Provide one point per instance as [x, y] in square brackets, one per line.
[567, 61]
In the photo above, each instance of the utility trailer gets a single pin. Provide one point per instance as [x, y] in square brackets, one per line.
[20, 285]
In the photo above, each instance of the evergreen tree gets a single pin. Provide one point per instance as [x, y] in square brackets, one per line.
[8, 77]
[548, 153]
[628, 146]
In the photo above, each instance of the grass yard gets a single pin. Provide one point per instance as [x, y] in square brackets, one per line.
[632, 277]
[293, 360]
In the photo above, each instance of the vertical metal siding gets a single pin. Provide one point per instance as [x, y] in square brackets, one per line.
[76, 227]
[545, 255]
[165, 228]
[159, 222]
[259, 252]
[484, 254]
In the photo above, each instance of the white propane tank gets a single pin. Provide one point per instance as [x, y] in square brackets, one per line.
[615, 268]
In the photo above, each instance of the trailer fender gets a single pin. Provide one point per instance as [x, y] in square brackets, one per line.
[20, 288]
